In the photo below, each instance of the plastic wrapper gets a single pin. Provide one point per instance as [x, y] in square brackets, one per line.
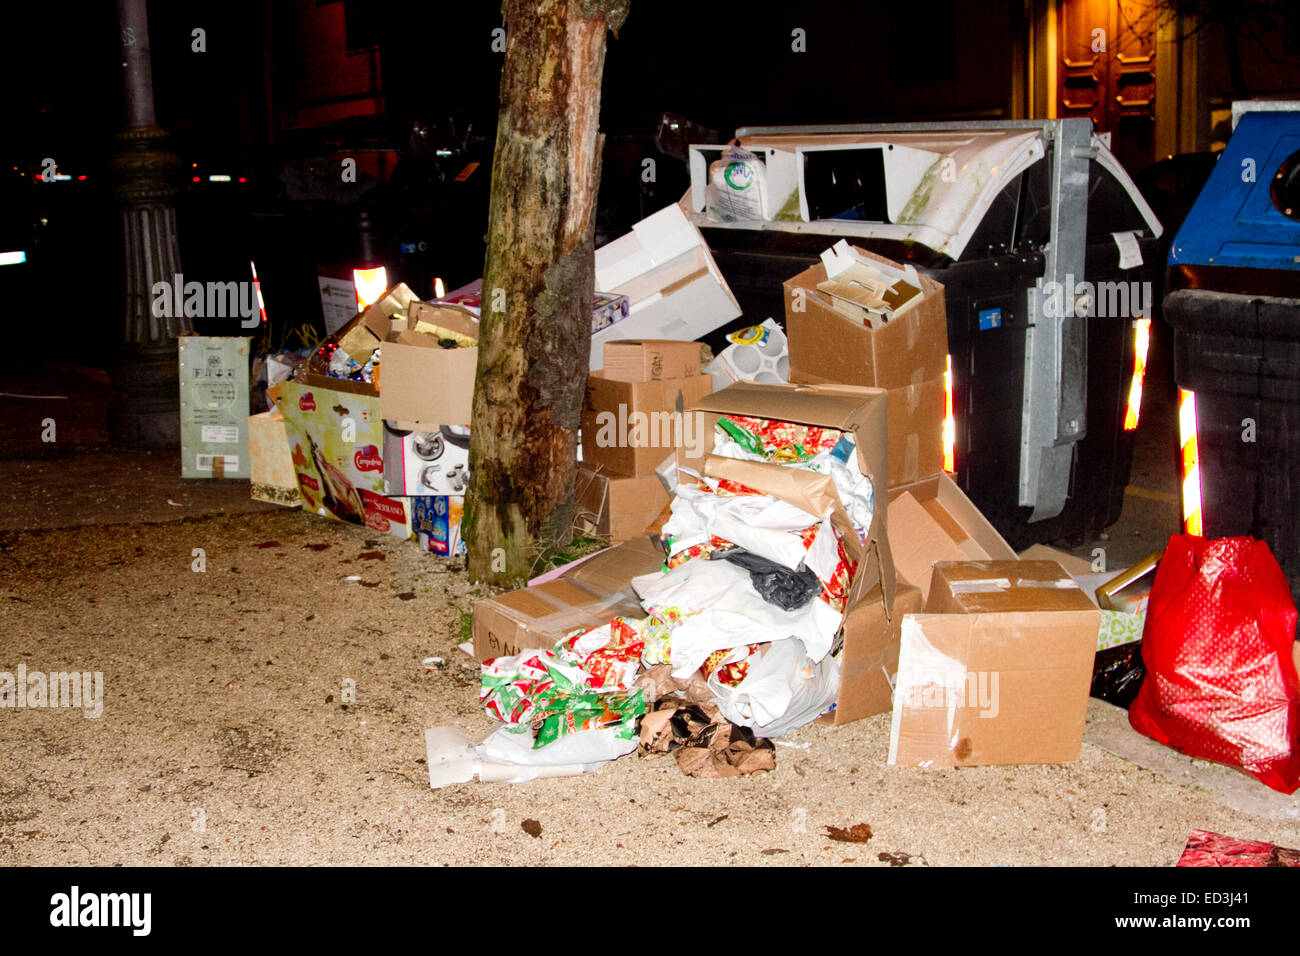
[737, 187]
[1221, 682]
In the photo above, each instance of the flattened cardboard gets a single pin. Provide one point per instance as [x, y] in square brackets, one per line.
[629, 427]
[869, 659]
[951, 521]
[650, 360]
[270, 462]
[586, 596]
[982, 685]
[618, 506]
[826, 346]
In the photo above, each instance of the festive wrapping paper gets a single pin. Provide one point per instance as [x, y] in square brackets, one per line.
[1119, 627]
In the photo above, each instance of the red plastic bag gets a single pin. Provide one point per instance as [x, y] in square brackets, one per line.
[1221, 683]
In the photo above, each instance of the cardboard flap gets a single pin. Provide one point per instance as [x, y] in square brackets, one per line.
[994, 587]
[806, 490]
[612, 570]
[451, 317]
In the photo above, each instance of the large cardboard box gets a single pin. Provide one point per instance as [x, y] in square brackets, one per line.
[618, 506]
[826, 346]
[935, 521]
[673, 286]
[335, 437]
[649, 360]
[585, 596]
[421, 385]
[628, 428]
[997, 669]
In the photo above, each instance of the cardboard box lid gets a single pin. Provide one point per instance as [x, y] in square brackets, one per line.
[848, 408]
[452, 317]
[592, 592]
[961, 524]
[993, 587]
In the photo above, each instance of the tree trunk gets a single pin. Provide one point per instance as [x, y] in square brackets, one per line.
[538, 282]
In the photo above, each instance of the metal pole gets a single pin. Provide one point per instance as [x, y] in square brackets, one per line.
[148, 415]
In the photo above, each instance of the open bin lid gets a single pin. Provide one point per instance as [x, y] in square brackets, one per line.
[938, 180]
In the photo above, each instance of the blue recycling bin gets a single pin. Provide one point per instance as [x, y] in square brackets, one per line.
[1234, 305]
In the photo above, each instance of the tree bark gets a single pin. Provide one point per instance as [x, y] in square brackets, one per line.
[538, 282]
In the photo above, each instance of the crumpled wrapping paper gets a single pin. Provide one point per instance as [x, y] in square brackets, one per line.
[705, 743]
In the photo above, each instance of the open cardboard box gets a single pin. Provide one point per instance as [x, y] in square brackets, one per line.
[937, 522]
[422, 385]
[877, 600]
[673, 286]
[907, 350]
[907, 356]
[997, 670]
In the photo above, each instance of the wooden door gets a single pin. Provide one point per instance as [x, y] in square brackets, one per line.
[1107, 71]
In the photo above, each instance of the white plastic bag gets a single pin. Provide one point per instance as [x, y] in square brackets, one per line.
[721, 609]
[782, 691]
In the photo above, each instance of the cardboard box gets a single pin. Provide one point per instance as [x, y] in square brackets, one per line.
[617, 506]
[997, 670]
[214, 406]
[935, 521]
[650, 360]
[435, 522]
[434, 462]
[335, 438]
[825, 346]
[270, 463]
[869, 658]
[916, 431]
[847, 408]
[673, 286]
[422, 385]
[628, 428]
[585, 596]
